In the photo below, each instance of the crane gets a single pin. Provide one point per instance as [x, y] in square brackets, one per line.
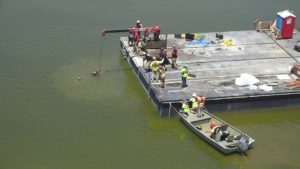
[155, 29]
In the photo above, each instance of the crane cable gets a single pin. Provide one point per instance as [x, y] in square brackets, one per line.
[98, 70]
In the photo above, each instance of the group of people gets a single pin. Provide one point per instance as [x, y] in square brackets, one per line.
[157, 65]
[197, 103]
[137, 39]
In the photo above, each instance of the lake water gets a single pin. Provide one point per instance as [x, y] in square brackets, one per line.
[51, 120]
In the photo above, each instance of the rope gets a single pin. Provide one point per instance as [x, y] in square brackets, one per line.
[101, 43]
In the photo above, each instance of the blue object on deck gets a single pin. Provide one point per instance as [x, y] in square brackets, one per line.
[198, 41]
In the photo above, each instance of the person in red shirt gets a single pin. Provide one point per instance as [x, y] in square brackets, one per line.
[174, 57]
[136, 39]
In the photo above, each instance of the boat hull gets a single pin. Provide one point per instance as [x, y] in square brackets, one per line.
[223, 146]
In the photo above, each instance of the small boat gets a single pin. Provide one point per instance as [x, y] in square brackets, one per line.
[226, 138]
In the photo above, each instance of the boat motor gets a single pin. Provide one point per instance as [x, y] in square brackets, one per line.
[243, 145]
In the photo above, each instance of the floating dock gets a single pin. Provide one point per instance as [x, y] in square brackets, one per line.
[216, 67]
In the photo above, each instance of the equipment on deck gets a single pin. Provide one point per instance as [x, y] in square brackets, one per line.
[297, 47]
[296, 70]
[152, 29]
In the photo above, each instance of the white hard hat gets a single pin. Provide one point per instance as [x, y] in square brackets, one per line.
[138, 21]
[194, 95]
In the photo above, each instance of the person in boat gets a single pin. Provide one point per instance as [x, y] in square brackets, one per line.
[213, 129]
[201, 102]
[195, 106]
[185, 108]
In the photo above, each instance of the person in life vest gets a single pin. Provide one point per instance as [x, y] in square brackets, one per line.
[201, 102]
[174, 57]
[185, 109]
[195, 105]
[213, 129]
[154, 65]
[162, 76]
[184, 74]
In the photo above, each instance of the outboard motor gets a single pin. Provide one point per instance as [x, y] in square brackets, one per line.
[243, 145]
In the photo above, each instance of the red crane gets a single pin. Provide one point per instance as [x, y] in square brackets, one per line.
[155, 29]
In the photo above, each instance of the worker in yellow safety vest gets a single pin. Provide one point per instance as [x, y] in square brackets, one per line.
[154, 65]
[184, 74]
[185, 107]
[195, 105]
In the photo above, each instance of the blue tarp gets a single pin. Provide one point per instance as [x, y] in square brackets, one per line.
[198, 41]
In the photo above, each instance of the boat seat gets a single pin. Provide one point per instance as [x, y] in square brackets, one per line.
[206, 118]
[223, 127]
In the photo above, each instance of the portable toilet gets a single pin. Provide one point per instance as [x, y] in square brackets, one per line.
[285, 22]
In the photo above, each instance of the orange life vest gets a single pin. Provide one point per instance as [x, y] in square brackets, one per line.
[201, 101]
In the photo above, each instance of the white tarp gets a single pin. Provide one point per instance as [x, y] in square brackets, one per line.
[246, 79]
[283, 77]
[265, 88]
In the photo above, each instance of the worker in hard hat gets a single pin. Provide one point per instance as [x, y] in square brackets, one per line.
[184, 74]
[139, 25]
[174, 56]
[195, 105]
[154, 65]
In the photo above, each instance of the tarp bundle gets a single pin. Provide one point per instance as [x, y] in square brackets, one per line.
[296, 70]
[246, 79]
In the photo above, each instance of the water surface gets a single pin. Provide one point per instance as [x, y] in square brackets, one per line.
[49, 119]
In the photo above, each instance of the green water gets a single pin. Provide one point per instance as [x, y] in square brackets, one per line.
[50, 120]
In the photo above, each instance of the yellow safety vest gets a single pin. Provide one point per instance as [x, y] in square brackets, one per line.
[154, 66]
[194, 102]
[185, 107]
[184, 72]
